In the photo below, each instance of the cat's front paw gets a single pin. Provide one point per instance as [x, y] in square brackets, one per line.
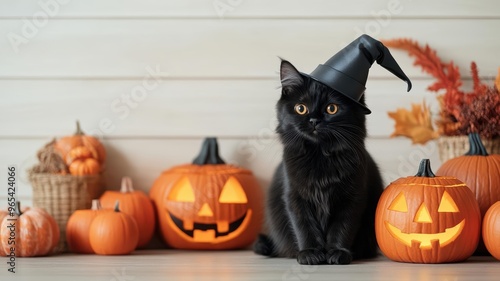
[311, 257]
[338, 256]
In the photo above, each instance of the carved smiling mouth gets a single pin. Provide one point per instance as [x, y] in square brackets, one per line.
[425, 239]
[208, 232]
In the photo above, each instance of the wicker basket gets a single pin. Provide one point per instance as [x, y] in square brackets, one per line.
[61, 195]
[454, 146]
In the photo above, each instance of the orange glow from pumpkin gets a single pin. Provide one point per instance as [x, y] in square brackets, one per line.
[447, 204]
[232, 192]
[423, 215]
[399, 204]
[425, 239]
[205, 211]
[182, 191]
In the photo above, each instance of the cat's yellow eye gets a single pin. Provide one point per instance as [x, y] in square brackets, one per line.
[332, 109]
[301, 109]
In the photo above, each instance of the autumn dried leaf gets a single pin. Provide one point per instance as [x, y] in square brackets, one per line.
[415, 124]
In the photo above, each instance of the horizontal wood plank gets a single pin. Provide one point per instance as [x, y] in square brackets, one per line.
[172, 108]
[145, 159]
[254, 8]
[178, 265]
[224, 49]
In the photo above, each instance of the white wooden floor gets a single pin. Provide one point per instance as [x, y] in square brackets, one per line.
[235, 265]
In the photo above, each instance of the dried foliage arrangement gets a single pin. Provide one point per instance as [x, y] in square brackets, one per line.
[460, 113]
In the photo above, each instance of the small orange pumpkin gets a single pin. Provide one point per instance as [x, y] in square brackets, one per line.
[114, 233]
[481, 173]
[36, 232]
[66, 144]
[491, 230]
[135, 203]
[81, 167]
[78, 228]
[208, 204]
[78, 153]
[427, 219]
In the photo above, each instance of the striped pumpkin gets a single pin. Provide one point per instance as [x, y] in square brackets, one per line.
[35, 233]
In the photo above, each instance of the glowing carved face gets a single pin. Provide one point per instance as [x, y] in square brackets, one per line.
[213, 213]
[427, 219]
[447, 205]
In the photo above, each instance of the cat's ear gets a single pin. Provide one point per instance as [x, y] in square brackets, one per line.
[289, 75]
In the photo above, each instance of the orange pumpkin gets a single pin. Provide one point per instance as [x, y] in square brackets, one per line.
[78, 228]
[135, 203]
[481, 173]
[78, 153]
[208, 204]
[81, 167]
[114, 233]
[66, 144]
[36, 232]
[427, 219]
[491, 230]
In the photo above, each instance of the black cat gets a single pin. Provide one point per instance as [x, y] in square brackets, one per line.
[322, 200]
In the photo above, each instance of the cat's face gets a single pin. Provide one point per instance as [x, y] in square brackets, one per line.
[311, 111]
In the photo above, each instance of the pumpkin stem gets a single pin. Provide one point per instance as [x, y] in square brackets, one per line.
[17, 209]
[476, 145]
[96, 205]
[209, 153]
[424, 170]
[126, 185]
[117, 206]
[79, 131]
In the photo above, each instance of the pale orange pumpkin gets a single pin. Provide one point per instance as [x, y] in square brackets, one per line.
[114, 233]
[78, 228]
[135, 203]
[427, 219]
[81, 167]
[491, 230]
[3, 214]
[66, 144]
[36, 232]
[208, 204]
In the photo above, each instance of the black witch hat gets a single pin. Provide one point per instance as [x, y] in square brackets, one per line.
[347, 71]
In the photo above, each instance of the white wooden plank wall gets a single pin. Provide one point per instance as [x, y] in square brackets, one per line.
[191, 69]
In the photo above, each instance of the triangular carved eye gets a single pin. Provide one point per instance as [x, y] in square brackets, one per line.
[423, 215]
[447, 204]
[182, 191]
[232, 192]
[399, 204]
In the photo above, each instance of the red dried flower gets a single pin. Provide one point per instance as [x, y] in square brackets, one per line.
[461, 113]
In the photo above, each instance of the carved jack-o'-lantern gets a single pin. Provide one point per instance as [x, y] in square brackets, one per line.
[208, 204]
[427, 219]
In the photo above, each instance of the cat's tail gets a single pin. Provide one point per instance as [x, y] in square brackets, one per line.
[264, 246]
